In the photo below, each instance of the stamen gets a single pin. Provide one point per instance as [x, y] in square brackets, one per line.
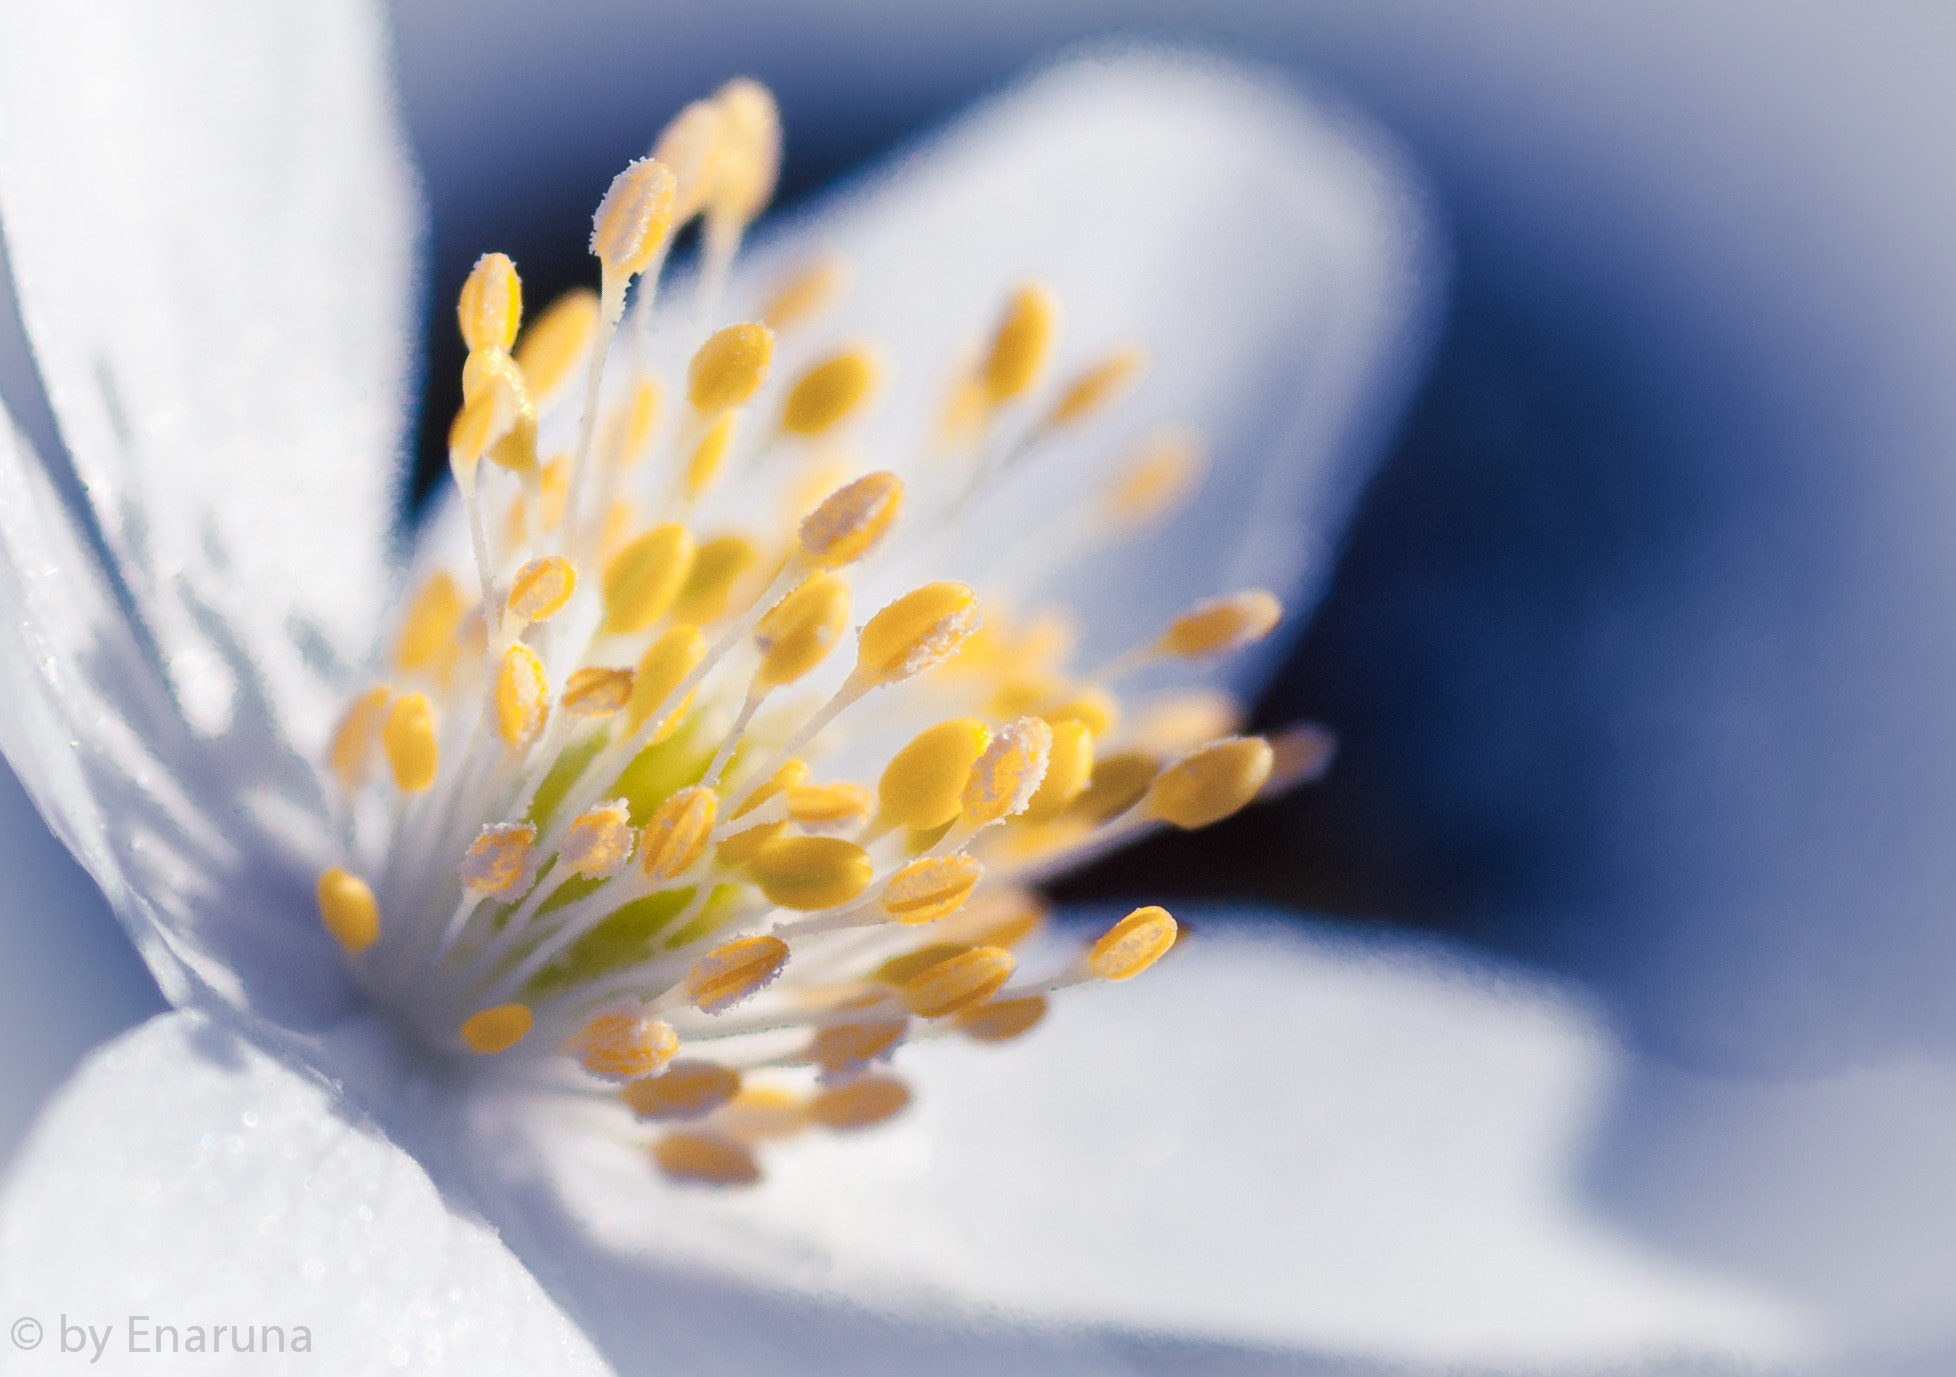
[1099, 387]
[1000, 1020]
[522, 697]
[427, 639]
[642, 580]
[829, 807]
[1155, 484]
[733, 971]
[352, 754]
[595, 691]
[809, 873]
[825, 395]
[799, 631]
[920, 629]
[541, 588]
[624, 1046]
[348, 910]
[864, 1101]
[556, 341]
[1211, 784]
[806, 292]
[497, 1029]
[1133, 944]
[676, 837]
[717, 567]
[710, 1160]
[690, 146]
[664, 666]
[491, 306]
[729, 368]
[501, 861]
[710, 455]
[930, 888]
[923, 786]
[852, 521]
[599, 840]
[687, 1090]
[1222, 625]
[1021, 344]
[956, 982]
[410, 740]
[1007, 775]
[1069, 767]
[630, 226]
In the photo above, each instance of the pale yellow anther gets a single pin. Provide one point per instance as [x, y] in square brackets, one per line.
[1092, 707]
[489, 1031]
[491, 305]
[825, 395]
[842, 1047]
[554, 345]
[920, 629]
[1211, 784]
[710, 454]
[498, 419]
[522, 697]
[808, 873]
[409, 736]
[632, 221]
[599, 840]
[923, 785]
[348, 911]
[666, 663]
[1299, 755]
[717, 567]
[596, 691]
[357, 736]
[743, 846]
[690, 146]
[1155, 484]
[642, 580]
[484, 422]
[851, 520]
[687, 1090]
[760, 1112]
[970, 977]
[541, 588]
[999, 918]
[729, 368]
[799, 631]
[705, 1158]
[806, 292]
[1119, 782]
[1099, 386]
[1133, 944]
[859, 1103]
[749, 152]
[1000, 1020]
[676, 837]
[501, 861]
[1179, 722]
[1068, 770]
[554, 480]
[427, 639]
[1009, 772]
[1222, 625]
[734, 970]
[931, 888]
[630, 429]
[837, 807]
[1021, 344]
[792, 774]
[623, 1046]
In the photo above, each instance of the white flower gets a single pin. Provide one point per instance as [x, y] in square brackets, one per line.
[217, 309]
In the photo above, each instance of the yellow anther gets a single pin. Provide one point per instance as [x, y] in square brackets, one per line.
[427, 639]
[710, 454]
[734, 970]
[358, 734]
[749, 152]
[1017, 697]
[931, 888]
[1099, 386]
[554, 345]
[830, 807]
[498, 418]
[522, 697]
[642, 580]
[491, 306]
[863, 1101]
[742, 847]
[541, 588]
[690, 146]
[1001, 1020]
[624, 1046]
[630, 429]
[806, 292]
[1167, 471]
[705, 1158]
[1133, 944]
[799, 631]
[729, 368]
[898, 971]
[1119, 781]
[762, 1111]
[409, 735]
[1222, 625]
[674, 655]
[792, 774]
[1000, 918]
[1211, 784]
[1068, 769]
[1093, 708]
[595, 691]
[717, 567]
[348, 911]
[676, 836]
[1009, 772]
[970, 977]
[500, 862]
[1180, 722]
[554, 480]
[807, 873]
[1021, 344]
[920, 629]
[828, 392]
[923, 786]
[851, 520]
[599, 840]
[485, 420]
[490, 1031]
[1299, 755]
[842, 1047]
[632, 221]
[687, 1090]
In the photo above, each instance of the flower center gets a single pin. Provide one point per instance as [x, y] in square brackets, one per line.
[633, 807]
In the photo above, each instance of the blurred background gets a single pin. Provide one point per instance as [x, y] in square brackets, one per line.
[1642, 644]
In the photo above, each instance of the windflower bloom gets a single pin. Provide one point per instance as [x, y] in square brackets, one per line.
[360, 893]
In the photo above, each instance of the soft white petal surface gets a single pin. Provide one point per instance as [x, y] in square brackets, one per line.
[190, 1177]
[1363, 1147]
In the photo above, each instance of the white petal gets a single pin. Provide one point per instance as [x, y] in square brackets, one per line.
[1369, 1149]
[209, 220]
[190, 1178]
